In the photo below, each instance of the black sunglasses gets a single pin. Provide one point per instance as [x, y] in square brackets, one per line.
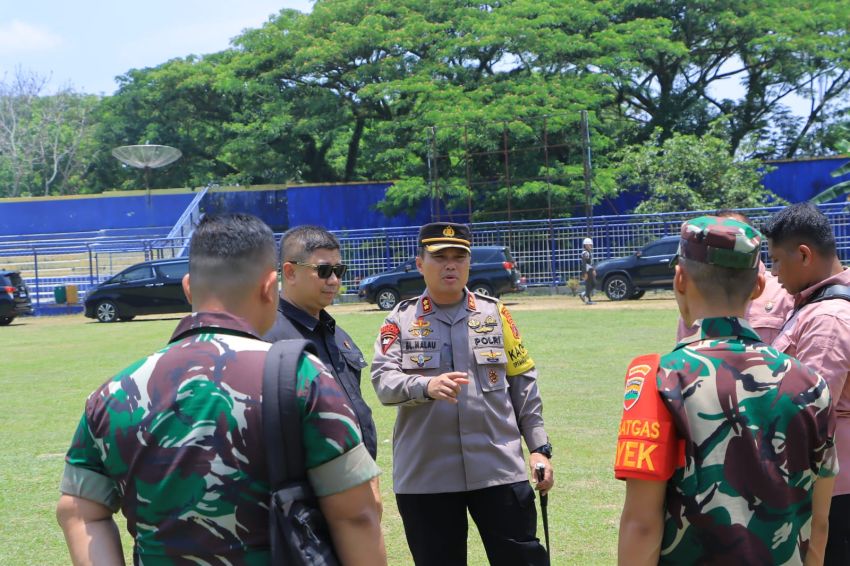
[324, 270]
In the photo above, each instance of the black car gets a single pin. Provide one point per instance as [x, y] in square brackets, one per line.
[649, 268]
[14, 297]
[493, 272]
[152, 287]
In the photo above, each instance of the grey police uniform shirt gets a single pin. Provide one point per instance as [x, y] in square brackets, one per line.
[337, 351]
[441, 447]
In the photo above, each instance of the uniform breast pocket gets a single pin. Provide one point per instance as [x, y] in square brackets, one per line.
[425, 363]
[490, 364]
[355, 359]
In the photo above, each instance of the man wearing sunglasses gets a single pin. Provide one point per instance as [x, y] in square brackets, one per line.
[312, 271]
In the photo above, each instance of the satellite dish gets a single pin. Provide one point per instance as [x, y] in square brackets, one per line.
[147, 157]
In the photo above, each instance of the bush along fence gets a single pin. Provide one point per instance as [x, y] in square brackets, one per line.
[546, 252]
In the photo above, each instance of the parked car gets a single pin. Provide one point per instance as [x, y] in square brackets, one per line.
[649, 268]
[14, 297]
[493, 272]
[152, 287]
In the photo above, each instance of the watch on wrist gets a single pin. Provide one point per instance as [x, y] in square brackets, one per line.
[546, 450]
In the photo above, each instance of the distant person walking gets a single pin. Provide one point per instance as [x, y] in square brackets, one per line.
[588, 272]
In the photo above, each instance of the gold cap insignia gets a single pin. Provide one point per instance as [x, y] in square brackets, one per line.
[448, 232]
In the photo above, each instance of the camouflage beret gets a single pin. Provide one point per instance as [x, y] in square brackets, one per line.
[439, 235]
[720, 241]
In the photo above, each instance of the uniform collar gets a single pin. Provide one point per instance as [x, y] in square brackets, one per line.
[223, 322]
[803, 296]
[425, 305]
[719, 327]
[292, 312]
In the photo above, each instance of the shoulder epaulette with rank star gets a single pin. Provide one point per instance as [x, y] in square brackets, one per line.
[488, 298]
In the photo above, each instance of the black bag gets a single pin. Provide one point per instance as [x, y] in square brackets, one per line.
[298, 532]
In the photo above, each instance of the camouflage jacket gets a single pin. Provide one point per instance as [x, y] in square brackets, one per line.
[175, 440]
[751, 430]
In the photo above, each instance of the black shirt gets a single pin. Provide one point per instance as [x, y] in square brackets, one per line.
[337, 351]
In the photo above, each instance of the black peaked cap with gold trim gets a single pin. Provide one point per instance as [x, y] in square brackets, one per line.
[440, 235]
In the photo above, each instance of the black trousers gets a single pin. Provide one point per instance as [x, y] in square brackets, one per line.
[838, 544]
[436, 526]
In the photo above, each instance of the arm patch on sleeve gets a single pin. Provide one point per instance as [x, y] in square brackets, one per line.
[647, 444]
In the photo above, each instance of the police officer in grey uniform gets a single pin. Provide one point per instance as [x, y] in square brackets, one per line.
[454, 364]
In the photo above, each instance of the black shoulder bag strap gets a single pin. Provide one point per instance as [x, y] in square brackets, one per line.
[282, 424]
[830, 292]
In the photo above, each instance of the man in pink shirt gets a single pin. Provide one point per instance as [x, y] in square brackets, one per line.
[802, 249]
[767, 313]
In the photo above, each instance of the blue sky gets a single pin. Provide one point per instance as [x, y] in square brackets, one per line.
[87, 43]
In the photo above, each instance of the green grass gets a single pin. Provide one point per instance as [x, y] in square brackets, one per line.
[51, 365]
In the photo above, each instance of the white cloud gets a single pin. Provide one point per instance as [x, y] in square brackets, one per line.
[19, 37]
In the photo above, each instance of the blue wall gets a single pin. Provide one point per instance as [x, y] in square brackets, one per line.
[73, 214]
[793, 180]
[338, 207]
[347, 207]
[796, 181]
[269, 204]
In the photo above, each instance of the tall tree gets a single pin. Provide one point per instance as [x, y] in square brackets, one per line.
[41, 135]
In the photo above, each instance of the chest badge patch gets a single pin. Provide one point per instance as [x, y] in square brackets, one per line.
[492, 357]
[420, 328]
[421, 359]
[389, 334]
[634, 385]
[493, 377]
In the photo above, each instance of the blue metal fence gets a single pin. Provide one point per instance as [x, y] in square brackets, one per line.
[547, 252]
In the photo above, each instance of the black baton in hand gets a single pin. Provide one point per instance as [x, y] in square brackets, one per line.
[540, 470]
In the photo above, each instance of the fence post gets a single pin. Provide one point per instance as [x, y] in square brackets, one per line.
[91, 273]
[37, 280]
[552, 255]
[387, 250]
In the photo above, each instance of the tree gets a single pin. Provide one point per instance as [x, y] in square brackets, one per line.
[667, 58]
[41, 135]
[689, 172]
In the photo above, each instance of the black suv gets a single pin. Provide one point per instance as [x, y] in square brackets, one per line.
[649, 268]
[152, 287]
[493, 272]
[14, 297]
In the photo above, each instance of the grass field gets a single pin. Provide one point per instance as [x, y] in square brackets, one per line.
[51, 364]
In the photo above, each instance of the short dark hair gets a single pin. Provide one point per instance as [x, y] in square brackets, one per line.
[229, 251]
[721, 285]
[801, 223]
[732, 213]
[297, 244]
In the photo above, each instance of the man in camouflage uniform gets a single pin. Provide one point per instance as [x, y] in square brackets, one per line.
[725, 443]
[176, 439]
[466, 390]
[766, 313]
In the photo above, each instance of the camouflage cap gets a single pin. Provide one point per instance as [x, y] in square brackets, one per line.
[720, 241]
[439, 235]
